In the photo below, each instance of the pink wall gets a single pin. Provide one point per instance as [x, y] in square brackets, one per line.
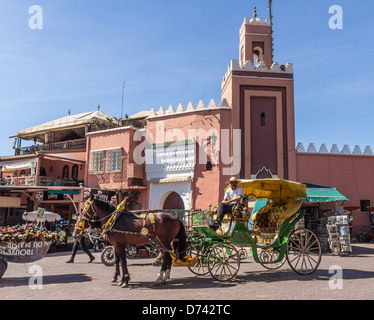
[116, 138]
[207, 186]
[106, 140]
[353, 175]
[57, 168]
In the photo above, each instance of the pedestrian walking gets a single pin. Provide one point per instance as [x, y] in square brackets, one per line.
[79, 236]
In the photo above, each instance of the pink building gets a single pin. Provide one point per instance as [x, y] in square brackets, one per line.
[180, 157]
[50, 173]
[192, 150]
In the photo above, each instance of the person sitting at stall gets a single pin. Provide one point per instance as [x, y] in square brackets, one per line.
[233, 196]
[61, 236]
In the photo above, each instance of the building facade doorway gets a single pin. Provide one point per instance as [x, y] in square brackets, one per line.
[173, 202]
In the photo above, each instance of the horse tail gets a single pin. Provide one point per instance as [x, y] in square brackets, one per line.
[182, 241]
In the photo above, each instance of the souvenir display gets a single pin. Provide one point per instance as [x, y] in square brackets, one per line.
[25, 233]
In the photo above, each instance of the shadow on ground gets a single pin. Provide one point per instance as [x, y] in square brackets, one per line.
[277, 276]
[50, 279]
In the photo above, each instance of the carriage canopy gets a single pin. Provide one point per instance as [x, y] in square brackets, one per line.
[283, 196]
[275, 189]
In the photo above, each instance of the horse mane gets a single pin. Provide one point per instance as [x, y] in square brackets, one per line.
[104, 205]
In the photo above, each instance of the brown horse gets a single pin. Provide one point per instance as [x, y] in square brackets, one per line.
[132, 229]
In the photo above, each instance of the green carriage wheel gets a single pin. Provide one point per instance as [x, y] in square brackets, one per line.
[268, 257]
[223, 262]
[304, 252]
[201, 252]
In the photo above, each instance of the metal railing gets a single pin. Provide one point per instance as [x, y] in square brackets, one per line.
[64, 145]
[34, 180]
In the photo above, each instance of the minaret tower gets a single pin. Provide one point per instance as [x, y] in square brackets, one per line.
[256, 41]
[261, 94]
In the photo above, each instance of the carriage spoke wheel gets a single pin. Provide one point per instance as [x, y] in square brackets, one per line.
[268, 257]
[304, 251]
[201, 268]
[223, 262]
[108, 256]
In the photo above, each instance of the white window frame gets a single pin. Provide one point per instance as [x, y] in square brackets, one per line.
[114, 160]
[96, 167]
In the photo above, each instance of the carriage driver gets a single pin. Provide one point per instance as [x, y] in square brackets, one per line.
[233, 196]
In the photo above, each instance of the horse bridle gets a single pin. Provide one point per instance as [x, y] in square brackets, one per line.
[91, 217]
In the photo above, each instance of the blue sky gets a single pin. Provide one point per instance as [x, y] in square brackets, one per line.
[172, 52]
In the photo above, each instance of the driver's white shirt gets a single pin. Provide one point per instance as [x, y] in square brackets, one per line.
[232, 194]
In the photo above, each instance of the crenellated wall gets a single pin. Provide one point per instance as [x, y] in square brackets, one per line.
[190, 108]
[351, 172]
[335, 150]
[262, 67]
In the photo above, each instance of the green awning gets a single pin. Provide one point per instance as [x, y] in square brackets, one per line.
[63, 191]
[317, 193]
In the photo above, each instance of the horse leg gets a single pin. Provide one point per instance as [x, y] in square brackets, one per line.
[180, 243]
[169, 263]
[164, 274]
[161, 275]
[117, 272]
[124, 283]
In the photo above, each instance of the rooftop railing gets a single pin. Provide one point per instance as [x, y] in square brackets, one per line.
[56, 146]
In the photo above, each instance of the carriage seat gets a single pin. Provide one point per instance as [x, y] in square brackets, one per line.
[239, 211]
[267, 221]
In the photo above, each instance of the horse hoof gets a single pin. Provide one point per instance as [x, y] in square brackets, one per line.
[125, 285]
[114, 280]
[159, 279]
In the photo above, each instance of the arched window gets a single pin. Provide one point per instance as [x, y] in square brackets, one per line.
[74, 172]
[263, 119]
[42, 173]
[258, 53]
[65, 172]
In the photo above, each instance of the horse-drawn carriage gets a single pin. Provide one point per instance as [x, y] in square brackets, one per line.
[268, 229]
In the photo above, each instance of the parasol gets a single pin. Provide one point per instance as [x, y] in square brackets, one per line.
[48, 216]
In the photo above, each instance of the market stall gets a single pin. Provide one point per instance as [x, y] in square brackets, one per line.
[323, 202]
[366, 233]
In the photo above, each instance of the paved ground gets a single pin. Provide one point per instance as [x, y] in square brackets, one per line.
[81, 280]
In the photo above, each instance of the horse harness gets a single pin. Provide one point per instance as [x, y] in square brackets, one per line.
[113, 218]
